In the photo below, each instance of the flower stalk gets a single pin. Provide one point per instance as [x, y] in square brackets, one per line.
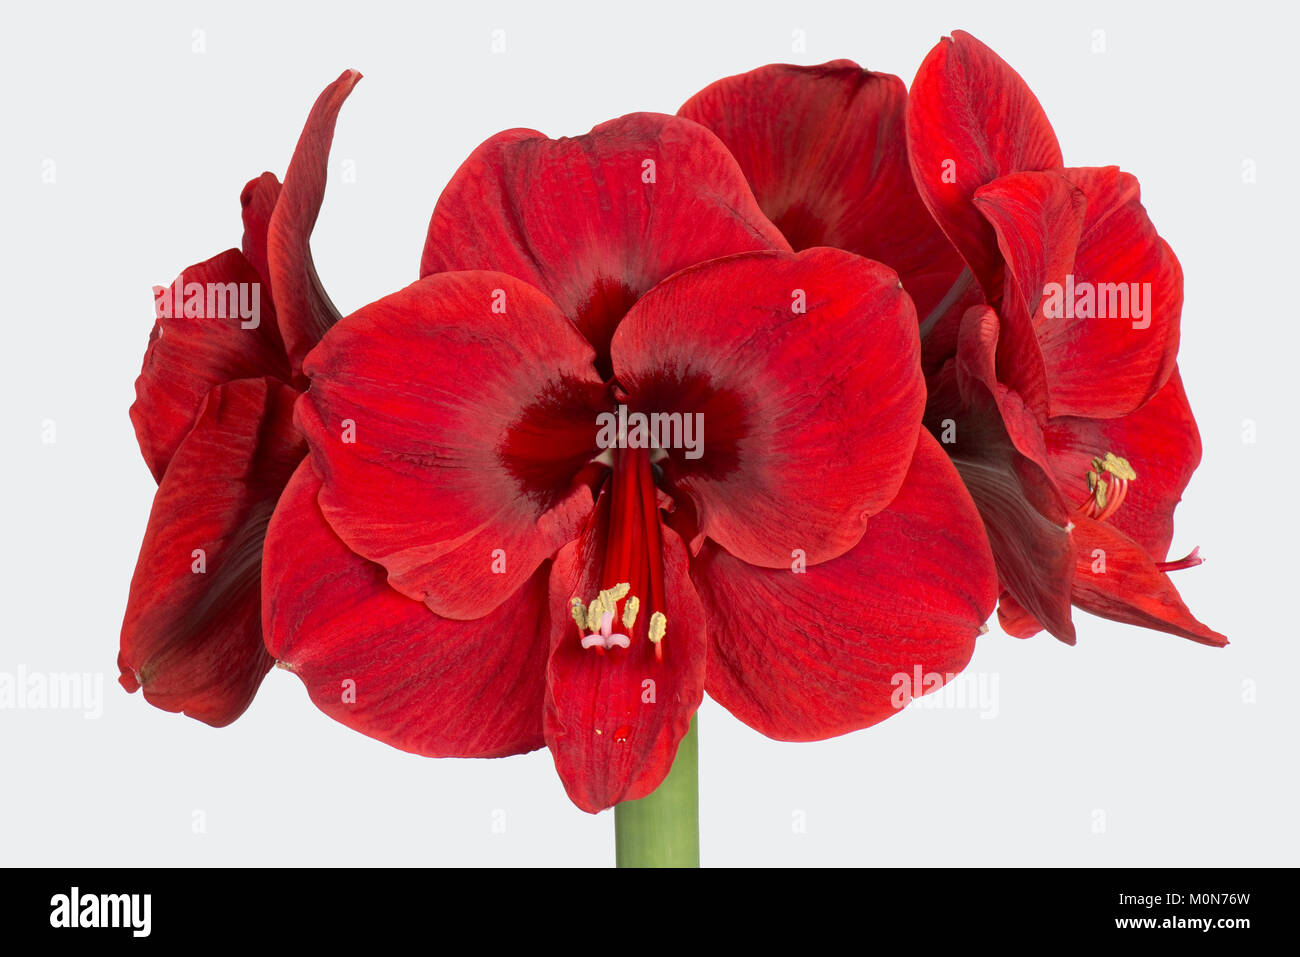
[663, 828]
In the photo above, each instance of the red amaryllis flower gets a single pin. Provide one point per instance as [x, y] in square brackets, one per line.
[1049, 427]
[214, 418]
[489, 551]
[1070, 422]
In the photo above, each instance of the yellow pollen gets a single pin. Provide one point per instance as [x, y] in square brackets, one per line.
[594, 611]
[1118, 467]
[579, 612]
[630, 608]
[658, 627]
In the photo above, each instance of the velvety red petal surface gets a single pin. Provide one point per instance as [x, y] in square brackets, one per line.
[187, 356]
[594, 221]
[304, 309]
[970, 119]
[825, 150]
[809, 418]
[384, 664]
[1085, 232]
[998, 448]
[614, 720]
[468, 427]
[1117, 579]
[805, 656]
[192, 635]
[1161, 442]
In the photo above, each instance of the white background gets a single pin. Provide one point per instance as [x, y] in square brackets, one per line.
[1188, 752]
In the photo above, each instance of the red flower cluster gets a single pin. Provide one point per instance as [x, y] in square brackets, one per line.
[770, 399]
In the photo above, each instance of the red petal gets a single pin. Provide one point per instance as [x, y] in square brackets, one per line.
[1116, 579]
[186, 357]
[576, 218]
[1084, 233]
[614, 720]
[193, 639]
[999, 450]
[470, 426]
[1015, 621]
[801, 657]
[970, 119]
[258, 201]
[1161, 442]
[825, 151]
[305, 310]
[809, 418]
[382, 663]
[1038, 218]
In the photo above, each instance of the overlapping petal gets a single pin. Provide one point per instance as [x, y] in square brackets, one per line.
[189, 354]
[803, 369]
[805, 656]
[192, 635]
[825, 151]
[384, 664]
[448, 435]
[595, 221]
[998, 447]
[971, 119]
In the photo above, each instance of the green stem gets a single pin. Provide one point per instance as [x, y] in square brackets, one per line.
[663, 828]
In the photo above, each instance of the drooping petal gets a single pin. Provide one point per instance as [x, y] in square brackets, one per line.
[1103, 291]
[825, 151]
[448, 422]
[970, 119]
[384, 664]
[192, 635]
[613, 721]
[1117, 579]
[594, 221]
[999, 450]
[801, 370]
[1160, 440]
[806, 655]
[304, 308]
[190, 353]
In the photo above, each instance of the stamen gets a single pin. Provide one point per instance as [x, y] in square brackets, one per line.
[1107, 485]
[630, 608]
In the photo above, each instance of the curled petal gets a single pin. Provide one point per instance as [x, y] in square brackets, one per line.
[192, 635]
[802, 372]
[384, 664]
[304, 309]
[802, 655]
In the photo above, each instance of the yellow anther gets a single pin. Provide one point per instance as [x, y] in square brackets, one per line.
[579, 612]
[594, 611]
[658, 627]
[1118, 467]
[1099, 493]
[630, 608]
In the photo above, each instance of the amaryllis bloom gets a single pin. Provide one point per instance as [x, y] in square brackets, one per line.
[1070, 428]
[488, 552]
[214, 418]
